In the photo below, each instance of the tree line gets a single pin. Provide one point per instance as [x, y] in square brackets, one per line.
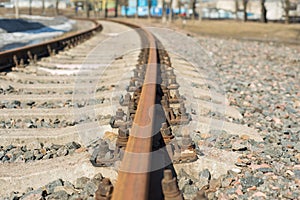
[192, 4]
[285, 6]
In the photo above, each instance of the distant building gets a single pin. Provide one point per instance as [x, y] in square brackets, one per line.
[214, 9]
[227, 9]
[5, 3]
[38, 3]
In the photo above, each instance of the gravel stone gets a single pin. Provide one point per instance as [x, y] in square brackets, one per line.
[183, 182]
[50, 187]
[2, 153]
[9, 147]
[63, 151]
[265, 170]
[90, 188]
[190, 190]
[58, 195]
[38, 156]
[215, 183]
[226, 182]
[34, 194]
[28, 155]
[261, 80]
[205, 174]
[273, 152]
[20, 159]
[236, 146]
[81, 182]
[36, 145]
[97, 179]
[73, 145]
[251, 181]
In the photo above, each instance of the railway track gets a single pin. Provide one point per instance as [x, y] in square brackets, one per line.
[111, 105]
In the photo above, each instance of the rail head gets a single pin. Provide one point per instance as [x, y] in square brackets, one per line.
[133, 177]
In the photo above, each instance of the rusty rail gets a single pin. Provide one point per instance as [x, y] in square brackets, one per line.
[31, 53]
[133, 177]
[146, 151]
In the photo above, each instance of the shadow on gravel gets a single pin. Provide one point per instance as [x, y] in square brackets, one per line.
[19, 25]
[155, 189]
[12, 46]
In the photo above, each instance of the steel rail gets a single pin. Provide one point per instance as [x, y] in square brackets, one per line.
[134, 173]
[26, 54]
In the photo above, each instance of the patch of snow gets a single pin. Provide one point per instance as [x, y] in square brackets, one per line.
[2, 31]
[36, 17]
[35, 36]
[79, 66]
[59, 72]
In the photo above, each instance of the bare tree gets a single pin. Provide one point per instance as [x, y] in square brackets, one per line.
[170, 11]
[190, 7]
[236, 9]
[30, 7]
[17, 14]
[194, 9]
[95, 8]
[199, 11]
[263, 17]
[43, 7]
[245, 3]
[105, 9]
[136, 8]
[286, 4]
[164, 18]
[124, 3]
[126, 8]
[149, 8]
[116, 8]
[87, 8]
[179, 5]
[56, 7]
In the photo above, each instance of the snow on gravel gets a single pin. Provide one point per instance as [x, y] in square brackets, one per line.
[53, 28]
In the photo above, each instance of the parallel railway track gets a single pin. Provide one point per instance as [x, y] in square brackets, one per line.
[22, 56]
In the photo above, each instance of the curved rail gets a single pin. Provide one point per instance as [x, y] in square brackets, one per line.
[31, 53]
[134, 181]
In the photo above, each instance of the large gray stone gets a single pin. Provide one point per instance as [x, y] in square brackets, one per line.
[90, 188]
[33, 195]
[50, 187]
[81, 182]
[250, 181]
[59, 195]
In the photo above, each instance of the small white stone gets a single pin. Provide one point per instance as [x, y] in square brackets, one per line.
[289, 172]
[236, 170]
